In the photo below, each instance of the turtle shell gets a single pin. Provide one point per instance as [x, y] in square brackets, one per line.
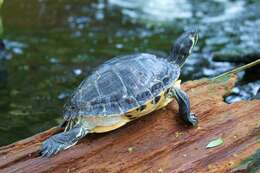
[122, 84]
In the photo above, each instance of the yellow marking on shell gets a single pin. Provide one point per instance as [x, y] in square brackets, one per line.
[150, 107]
[134, 113]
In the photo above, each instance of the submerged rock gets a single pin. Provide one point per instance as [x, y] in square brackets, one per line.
[244, 92]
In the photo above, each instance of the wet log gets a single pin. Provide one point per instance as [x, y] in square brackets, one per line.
[236, 57]
[159, 142]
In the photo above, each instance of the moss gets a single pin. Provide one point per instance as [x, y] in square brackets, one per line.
[250, 164]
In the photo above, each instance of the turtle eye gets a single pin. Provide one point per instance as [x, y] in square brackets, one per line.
[73, 106]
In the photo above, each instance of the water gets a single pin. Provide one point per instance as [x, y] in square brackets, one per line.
[52, 45]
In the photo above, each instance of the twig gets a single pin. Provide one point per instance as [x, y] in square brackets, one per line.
[236, 70]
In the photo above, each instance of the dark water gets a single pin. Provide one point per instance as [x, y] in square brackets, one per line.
[52, 45]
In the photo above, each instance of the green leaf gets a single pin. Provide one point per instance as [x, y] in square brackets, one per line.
[215, 143]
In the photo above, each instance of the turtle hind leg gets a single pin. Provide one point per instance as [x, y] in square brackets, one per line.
[63, 141]
[184, 106]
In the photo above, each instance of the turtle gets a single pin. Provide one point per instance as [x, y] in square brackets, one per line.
[123, 89]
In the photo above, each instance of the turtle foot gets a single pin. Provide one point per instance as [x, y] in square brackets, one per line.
[51, 147]
[192, 119]
[63, 141]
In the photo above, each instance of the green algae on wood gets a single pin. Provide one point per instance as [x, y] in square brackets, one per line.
[250, 164]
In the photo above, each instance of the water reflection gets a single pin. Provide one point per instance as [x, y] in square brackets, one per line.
[155, 10]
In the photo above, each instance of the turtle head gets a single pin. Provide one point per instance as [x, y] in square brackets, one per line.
[183, 46]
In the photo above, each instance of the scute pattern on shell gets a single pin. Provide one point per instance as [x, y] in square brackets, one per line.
[123, 83]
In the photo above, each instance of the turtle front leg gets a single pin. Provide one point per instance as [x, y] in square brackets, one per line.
[184, 106]
[63, 141]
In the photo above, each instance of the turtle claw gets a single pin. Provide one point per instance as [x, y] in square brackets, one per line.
[62, 141]
[192, 119]
[50, 147]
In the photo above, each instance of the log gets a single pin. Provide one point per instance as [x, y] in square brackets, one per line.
[159, 142]
[236, 57]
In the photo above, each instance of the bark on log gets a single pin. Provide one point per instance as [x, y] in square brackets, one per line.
[159, 142]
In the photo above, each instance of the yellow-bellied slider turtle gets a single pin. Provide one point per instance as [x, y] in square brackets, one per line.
[123, 89]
